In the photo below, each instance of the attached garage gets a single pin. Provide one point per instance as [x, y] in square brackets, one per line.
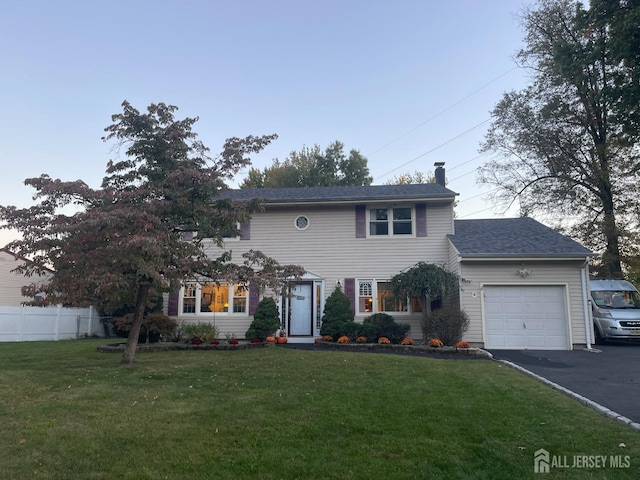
[524, 285]
[530, 317]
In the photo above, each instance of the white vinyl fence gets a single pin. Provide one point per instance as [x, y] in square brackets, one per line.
[20, 324]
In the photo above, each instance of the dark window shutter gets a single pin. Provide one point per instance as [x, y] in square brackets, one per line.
[254, 298]
[361, 221]
[172, 304]
[350, 292]
[245, 231]
[421, 220]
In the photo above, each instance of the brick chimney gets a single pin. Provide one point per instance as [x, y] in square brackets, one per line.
[439, 174]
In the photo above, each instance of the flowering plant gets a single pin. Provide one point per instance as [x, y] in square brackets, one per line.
[233, 341]
[407, 341]
[327, 338]
[384, 340]
[255, 340]
[343, 339]
[462, 344]
[196, 341]
[361, 339]
[214, 342]
[435, 342]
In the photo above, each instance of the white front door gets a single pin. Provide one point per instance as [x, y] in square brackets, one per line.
[300, 309]
[530, 317]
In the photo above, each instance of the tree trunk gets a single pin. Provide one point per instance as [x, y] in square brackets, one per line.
[611, 262]
[136, 324]
[426, 311]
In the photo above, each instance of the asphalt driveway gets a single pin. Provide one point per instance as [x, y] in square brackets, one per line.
[610, 378]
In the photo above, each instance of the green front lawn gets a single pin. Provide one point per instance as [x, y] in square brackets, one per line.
[67, 412]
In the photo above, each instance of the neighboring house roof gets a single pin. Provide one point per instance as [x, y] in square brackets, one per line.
[512, 237]
[370, 193]
[19, 257]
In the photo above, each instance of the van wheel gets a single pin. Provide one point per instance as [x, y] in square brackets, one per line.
[600, 340]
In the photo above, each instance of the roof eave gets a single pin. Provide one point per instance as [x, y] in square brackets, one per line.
[353, 201]
[523, 257]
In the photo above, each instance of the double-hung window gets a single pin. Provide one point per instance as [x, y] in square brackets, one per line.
[213, 298]
[391, 221]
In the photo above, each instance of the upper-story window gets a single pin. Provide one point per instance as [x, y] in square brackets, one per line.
[391, 221]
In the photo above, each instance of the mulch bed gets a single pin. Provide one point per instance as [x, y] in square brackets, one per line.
[165, 346]
[416, 350]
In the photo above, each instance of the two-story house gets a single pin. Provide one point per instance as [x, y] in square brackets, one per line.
[524, 285]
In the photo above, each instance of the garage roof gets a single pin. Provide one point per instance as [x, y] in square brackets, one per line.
[512, 237]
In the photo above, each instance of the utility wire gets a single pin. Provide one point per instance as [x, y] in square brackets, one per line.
[449, 169]
[434, 149]
[443, 111]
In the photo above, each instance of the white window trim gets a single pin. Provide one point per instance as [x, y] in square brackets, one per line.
[198, 305]
[375, 296]
[390, 208]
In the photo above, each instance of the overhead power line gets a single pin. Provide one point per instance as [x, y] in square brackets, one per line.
[442, 111]
[434, 149]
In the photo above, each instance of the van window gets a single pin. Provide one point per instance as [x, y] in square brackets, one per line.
[616, 299]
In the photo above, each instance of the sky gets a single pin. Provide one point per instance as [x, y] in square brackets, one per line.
[406, 82]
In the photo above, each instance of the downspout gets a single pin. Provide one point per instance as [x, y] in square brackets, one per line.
[585, 302]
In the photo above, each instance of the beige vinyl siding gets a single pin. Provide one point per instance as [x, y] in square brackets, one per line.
[329, 247]
[562, 273]
[11, 283]
[228, 325]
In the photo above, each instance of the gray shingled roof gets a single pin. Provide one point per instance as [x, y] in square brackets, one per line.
[341, 194]
[512, 237]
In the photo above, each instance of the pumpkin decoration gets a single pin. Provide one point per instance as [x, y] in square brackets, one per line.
[282, 339]
[271, 339]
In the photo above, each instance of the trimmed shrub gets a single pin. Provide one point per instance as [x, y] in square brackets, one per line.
[155, 326]
[337, 308]
[266, 320]
[387, 327]
[337, 320]
[448, 324]
[369, 331]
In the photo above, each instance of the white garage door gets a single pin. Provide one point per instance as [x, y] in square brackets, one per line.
[527, 317]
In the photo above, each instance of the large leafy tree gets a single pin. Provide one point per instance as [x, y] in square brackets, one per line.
[313, 167]
[408, 178]
[124, 242]
[566, 144]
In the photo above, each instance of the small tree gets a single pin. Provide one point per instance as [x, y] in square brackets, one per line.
[126, 242]
[337, 318]
[425, 281]
[265, 320]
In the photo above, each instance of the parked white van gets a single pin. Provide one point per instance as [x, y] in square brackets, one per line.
[615, 306]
